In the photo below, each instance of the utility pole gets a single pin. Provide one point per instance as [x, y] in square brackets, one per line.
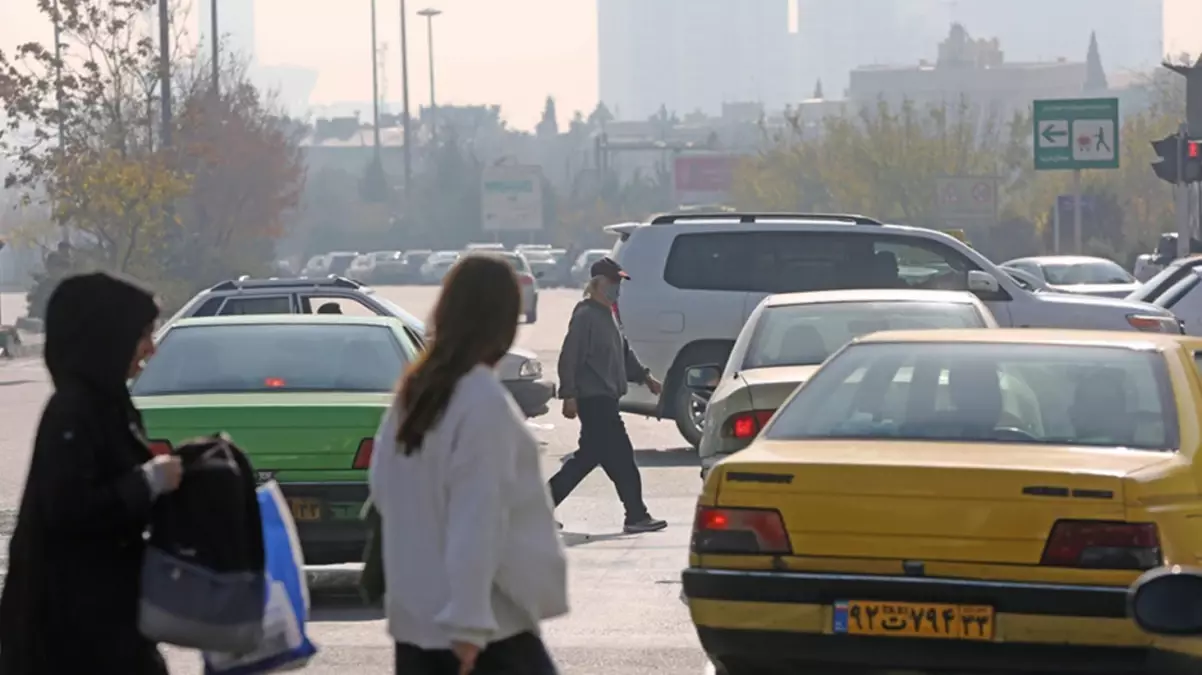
[408, 149]
[375, 86]
[430, 14]
[216, 39]
[165, 69]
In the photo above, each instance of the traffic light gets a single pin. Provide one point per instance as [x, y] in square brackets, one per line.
[1192, 162]
[1168, 149]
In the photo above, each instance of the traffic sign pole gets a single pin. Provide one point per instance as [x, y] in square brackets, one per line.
[1056, 228]
[1181, 193]
[1077, 247]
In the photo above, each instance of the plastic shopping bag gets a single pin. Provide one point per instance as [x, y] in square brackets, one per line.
[285, 646]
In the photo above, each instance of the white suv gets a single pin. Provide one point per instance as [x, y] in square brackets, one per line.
[696, 277]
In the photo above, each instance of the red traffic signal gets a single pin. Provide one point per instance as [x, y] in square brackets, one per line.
[1194, 150]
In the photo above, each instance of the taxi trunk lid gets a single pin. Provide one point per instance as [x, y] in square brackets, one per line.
[298, 436]
[928, 501]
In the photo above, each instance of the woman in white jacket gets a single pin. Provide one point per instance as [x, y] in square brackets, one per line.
[471, 553]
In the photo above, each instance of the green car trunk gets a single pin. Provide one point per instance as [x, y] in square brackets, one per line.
[308, 442]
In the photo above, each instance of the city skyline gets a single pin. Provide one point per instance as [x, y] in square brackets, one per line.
[511, 52]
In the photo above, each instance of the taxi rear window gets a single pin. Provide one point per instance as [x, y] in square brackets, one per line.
[246, 358]
[989, 393]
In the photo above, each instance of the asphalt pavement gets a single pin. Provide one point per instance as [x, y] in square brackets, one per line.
[626, 616]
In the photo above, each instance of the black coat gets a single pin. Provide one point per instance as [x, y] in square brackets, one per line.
[70, 601]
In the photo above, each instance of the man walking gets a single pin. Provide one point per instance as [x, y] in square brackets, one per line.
[595, 364]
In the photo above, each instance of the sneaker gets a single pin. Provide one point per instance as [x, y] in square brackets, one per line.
[647, 524]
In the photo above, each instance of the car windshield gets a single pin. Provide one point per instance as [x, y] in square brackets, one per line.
[802, 335]
[387, 255]
[1092, 272]
[517, 262]
[269, 357]
[340, 262]
[986, 393]
[539, 256]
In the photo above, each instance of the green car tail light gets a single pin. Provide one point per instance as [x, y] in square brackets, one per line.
[363, 454]
[159, 447]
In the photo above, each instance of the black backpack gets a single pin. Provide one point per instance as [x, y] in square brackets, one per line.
[203, 578]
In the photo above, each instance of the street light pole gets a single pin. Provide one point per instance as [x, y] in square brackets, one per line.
[375, 85]
[215, 38]
[165, 69]
[408, 150]
[430, 14]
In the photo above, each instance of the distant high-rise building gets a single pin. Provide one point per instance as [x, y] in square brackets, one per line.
[835, 36]
[688, 55]
[236, 26]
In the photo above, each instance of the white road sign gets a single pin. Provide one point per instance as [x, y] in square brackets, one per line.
[1093, 140]
[511, 198]
[1053, 134]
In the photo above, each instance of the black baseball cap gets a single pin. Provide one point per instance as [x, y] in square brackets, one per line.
[609, 268]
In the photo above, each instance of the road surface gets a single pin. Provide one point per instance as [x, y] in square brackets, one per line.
[626, 617]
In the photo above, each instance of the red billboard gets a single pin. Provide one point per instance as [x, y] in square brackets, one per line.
[705, 173]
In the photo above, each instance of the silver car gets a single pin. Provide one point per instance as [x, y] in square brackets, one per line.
[787, 338]
[527, 277]
[1080, 274]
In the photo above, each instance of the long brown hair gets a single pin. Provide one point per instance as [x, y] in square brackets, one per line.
[475, 321]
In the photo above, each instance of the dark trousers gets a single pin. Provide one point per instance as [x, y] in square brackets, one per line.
[522, 654]
[605, 443]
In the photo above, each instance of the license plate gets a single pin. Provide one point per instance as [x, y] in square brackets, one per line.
[914, 619]
[305, 509]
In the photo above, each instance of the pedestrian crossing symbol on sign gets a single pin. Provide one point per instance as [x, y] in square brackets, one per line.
[1093, 140]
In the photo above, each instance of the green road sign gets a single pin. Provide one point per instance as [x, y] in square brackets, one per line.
[1081, 133]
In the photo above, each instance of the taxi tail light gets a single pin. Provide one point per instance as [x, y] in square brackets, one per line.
[159, 447]
[746, 425]
[739, 530]
[363, 454]
[1099, 544]
[1154, 324]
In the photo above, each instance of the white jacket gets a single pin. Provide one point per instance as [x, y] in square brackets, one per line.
[470, 546]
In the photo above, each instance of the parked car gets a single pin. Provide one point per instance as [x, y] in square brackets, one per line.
[788, 337]
[543, 263]
[488, 246]
[580, 269]
[414, 260]
[695, 278]
[1177, 289]
[317, 266]
[970, 501]
[520, 370]
[437, 265]
[379, 267]
[527, 277]
[301, 394]
[1082, 274]
[335, 262]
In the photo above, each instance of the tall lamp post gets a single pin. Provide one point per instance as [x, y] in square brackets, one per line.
[215, 37]
[405, 96]
[430, 13]
[165, 69]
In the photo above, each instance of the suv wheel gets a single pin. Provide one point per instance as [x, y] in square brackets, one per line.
[689, 414]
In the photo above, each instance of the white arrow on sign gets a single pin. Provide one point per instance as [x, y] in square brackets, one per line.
[1053, 134]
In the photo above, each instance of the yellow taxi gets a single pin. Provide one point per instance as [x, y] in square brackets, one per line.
[965, 500]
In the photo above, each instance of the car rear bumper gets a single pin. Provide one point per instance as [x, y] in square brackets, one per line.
[785, 620]
[338, 535]
[532, 396]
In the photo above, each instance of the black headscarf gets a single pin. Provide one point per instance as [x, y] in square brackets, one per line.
[93, 324]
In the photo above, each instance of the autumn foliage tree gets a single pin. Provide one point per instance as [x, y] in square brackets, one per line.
[84, 133]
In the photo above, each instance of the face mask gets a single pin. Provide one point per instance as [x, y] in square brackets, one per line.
[611, 292]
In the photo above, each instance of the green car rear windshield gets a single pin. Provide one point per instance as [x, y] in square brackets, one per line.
[247, 358]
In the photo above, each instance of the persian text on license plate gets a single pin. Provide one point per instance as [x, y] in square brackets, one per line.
[305, 509]
[914, 619]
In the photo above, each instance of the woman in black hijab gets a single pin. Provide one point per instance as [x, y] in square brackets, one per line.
[70, 602]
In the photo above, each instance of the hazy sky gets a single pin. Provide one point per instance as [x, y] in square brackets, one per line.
[511, 52]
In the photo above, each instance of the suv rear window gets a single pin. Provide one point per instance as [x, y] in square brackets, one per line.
[794, 262]
[248, 358]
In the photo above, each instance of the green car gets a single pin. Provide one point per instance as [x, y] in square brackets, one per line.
[301, 394]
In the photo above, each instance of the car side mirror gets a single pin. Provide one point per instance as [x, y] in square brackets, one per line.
[538, 275]
[1167, 601]
[982, 282]
[703, 378]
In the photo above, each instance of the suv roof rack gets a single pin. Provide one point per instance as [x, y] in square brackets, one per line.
[332, 281]
[669, 218]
